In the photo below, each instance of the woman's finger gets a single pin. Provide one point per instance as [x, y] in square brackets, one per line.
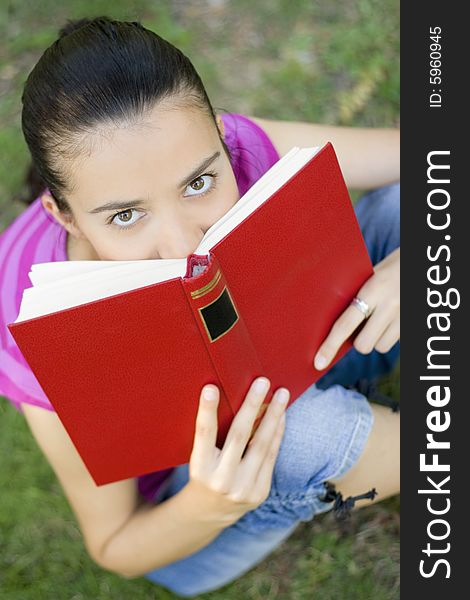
[344, 326]
[262, 440]
[263, 481]
[389, 338]
[372, 331]
[203, 451]
[241, 428]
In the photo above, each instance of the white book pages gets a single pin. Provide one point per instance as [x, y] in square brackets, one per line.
[64, 284]
[86, 287]
[43, 273]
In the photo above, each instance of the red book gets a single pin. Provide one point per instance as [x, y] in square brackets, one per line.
[124, 372]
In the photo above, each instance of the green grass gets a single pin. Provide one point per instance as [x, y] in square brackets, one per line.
[43, 556]
[332, 62]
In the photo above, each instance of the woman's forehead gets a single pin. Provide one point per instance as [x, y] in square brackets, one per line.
[172, 144]
[160, 127]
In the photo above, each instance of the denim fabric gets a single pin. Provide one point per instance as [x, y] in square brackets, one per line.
[326, 431]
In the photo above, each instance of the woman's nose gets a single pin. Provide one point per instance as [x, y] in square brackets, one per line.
[178, 241]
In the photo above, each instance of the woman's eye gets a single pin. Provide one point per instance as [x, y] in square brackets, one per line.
[202, 184]
[124, 217]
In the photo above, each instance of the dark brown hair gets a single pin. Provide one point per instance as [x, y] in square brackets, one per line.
[99, 72]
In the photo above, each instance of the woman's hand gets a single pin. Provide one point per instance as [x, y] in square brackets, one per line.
[382, 330]
[225, 484]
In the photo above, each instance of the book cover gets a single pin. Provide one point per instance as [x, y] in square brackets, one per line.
[124, 373]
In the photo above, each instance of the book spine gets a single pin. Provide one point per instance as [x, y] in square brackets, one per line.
[223, 329]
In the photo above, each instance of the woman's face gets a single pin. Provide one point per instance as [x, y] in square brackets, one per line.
[152, 190]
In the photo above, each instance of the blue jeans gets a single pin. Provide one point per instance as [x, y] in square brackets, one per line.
[326, 431]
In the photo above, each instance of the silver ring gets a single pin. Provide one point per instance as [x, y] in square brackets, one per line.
[362, 306]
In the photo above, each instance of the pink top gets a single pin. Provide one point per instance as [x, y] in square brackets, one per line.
[36, 237]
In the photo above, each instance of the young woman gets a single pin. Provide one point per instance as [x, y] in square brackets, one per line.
[131, 162]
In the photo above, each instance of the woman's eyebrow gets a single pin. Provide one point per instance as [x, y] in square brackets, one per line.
[130, 203]
[202, 167]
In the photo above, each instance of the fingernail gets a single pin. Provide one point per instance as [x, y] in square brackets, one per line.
[320, 362]
[283, 395]
[210, 393]
[261, 385]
